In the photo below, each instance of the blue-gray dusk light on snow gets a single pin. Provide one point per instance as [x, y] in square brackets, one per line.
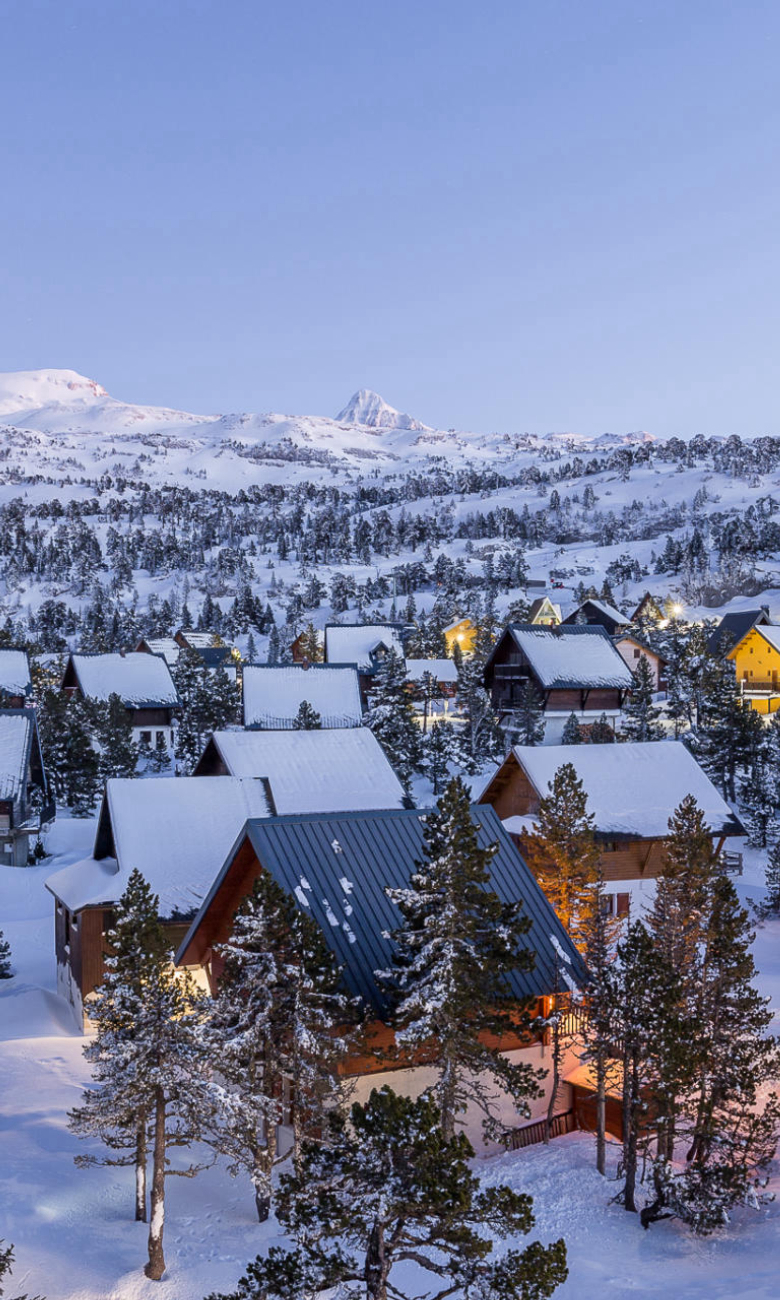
[516, 215]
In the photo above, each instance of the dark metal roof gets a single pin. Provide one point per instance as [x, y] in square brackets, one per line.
[339, 867]
[732, 628]
[215, 656]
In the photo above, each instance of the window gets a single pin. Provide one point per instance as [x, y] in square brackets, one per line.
[623, 904]
[160, 735]
[636, 654]
[146, 737]
[66, 928]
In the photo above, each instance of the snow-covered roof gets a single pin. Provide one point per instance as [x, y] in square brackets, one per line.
[572, 656]
[608, 610]
[136, 678]
[176, 832]
[632, 789]
[165, 646]
[458, 622]
[273, 694]
[444, 670]
[328, 771]
[197, 640]
[355, 644]
[16, 727]
[14, 673]
[770, 634]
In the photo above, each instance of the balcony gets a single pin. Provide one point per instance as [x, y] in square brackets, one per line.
[751, 686]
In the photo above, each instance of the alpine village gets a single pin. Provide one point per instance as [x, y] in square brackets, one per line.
[383, 855]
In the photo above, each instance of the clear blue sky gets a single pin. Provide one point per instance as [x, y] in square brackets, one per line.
[557, 214]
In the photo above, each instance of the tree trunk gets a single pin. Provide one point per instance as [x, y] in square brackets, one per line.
[156, 1266]
[555, 1060]
[601, 1109]
[262, 1205]
[140, 1172]
[446, 1100]
[265, 1159]
[630, 1135]
[377, 1265]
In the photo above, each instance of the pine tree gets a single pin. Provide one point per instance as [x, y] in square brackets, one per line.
[159, 758]
[117, 1112]
[456, 943]
[601, 732]
[81, 764]
[5, 958]
[277, 1024]
[387, 1188]
[479, 739]
[600, 936]
[771, 903]
[562, 851]
[527, 721]
[438, 753]
[118, 753]
[307, 718]
[572, 732]
[6, 1260]
[310, 645]
[640, 714]
[208, 703]
[391, 718]
[274, 645]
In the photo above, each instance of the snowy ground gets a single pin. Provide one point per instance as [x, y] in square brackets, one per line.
[73, 1229]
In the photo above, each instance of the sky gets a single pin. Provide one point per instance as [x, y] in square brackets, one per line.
[515, 215]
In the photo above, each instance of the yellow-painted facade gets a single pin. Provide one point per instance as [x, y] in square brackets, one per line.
[757, 664]
[463, 634]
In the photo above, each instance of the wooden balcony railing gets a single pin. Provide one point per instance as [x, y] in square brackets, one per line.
[531, 1134]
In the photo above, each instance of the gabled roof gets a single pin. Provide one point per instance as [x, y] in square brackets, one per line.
[198, 640]
[543, 603]
[329, 771]
[347, 643]
[274, 693]
[138, 679]
[457, 623]
[176, 831]
[569, 656]
[162, 645]
[609, 611]
[18, 733]
[338, 868]
[636, 638]
[631, 789]
[733, 627]
[444, 670]
[15, 673]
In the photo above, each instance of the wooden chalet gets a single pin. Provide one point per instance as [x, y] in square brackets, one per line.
[756, 660]
[544, 612]
[338, 868]
[273, 694]
[337, 769]
[212, 652]
[632, 791]
[143, 682]
[733, 627]
[26, 802]
[596, 613]
[632, 647]
[650, 610]
[15, 681]
[363, 645]
[176, 833]
[573, 668]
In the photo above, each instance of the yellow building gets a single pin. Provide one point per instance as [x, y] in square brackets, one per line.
[461, 633]
[756, 658]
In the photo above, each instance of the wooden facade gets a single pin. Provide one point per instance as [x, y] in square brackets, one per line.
[509, 669]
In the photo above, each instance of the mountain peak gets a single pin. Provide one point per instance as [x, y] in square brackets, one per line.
[373, 412]
[29, 390]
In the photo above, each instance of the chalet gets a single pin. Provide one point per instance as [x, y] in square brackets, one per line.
[160, 645]
[337, 868]
[335, 770]
[363, 644]
[26, 803]
[632, 647]
[176, 833]
[300, 649]
[596, 613]
[544, 612]
[650, 610]
[142, 681]
[573, 669]
[273, 694]
[733, 627]
[461, 633]
[15, 682]
[632, 791]
[203, 644]
[756, 660]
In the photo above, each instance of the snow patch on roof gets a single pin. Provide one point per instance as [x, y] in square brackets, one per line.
[444, 670]
[273, 696]
[348, 644]
[136, 678]
[14, 744]
[572, 656]
[14, 673]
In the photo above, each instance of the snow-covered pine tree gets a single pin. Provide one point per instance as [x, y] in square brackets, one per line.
[159, 758]
[479, 739]
[600, 933]
[572, 732]
[391, 718]
[6, 1262]
[310, 644]
[274, 646]
[758, 793]
[562, 851]
[527, 721]
[640, 714]
[276, 1027]
[456, 943]
[80, 770]
[601, 733]
[438, 752]
[307, 718]
[209, 702]
[385, 1189]
[428, 689]
[5, 958]
[770, 905]
[118, 753]
[116, 1112]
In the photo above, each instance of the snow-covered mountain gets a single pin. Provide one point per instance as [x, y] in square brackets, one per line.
[373, 412]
